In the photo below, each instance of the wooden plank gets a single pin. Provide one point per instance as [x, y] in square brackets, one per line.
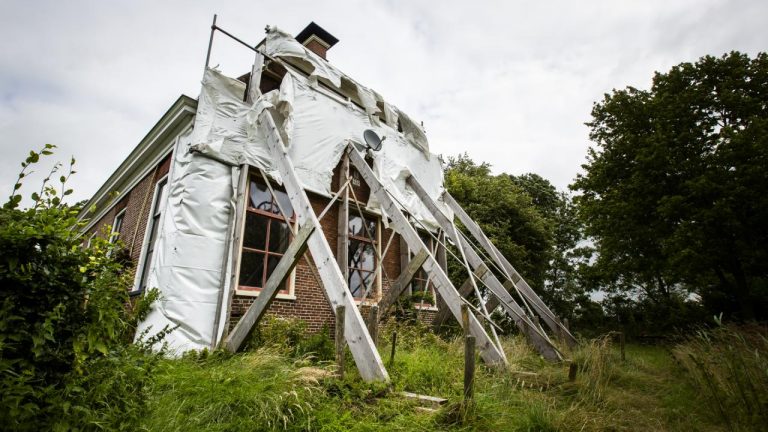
[254, 84]
[233, 253]
[432, 401]
[340, 339]
[465, 290]
[442, 283]
[469, 368]
[520, 284]
[402, 282]
[342, 232]
[521, 320]
[361, 345]
[276, 280]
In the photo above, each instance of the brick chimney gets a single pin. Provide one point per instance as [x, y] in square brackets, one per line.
[316, 39]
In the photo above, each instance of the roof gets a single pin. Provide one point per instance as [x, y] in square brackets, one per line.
[314, 29]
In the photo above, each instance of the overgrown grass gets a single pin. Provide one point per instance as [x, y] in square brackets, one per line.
[277, 387]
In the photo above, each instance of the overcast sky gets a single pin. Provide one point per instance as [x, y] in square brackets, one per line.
[509, 82]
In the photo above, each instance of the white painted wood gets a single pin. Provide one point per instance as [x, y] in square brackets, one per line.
[520, 284]
[508, 303]
[442, 283]
[360, 343]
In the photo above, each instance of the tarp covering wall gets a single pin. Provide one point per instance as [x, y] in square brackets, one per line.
[316, 125]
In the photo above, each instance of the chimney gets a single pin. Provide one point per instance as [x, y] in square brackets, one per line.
[316, 39]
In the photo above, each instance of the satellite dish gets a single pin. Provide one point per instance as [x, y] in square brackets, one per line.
[372, 139]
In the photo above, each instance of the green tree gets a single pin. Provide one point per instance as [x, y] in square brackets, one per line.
[675, 194]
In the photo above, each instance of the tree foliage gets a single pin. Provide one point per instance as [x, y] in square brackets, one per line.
[675, 193]
[65, 330]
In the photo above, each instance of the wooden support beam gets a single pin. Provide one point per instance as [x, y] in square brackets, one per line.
[373, 323]
[521, 285]
[521, 320]
[465, 290]
[360, 343]
[276, 280]
[442, 283]
[340, 340]
[342, 232]
[402, 282]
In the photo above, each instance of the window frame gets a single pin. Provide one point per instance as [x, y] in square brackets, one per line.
[114, 233]
[375, 294]
[289, 293]
[143, 265]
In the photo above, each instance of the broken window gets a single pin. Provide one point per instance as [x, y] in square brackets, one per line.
[361, 255]
[266, 236]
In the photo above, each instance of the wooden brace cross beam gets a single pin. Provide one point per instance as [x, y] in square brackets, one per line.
[402, 282]
[281, 272]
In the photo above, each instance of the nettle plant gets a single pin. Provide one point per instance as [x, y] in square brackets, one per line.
[64, 307]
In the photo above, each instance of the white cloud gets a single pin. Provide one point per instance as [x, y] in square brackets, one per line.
[510, 83]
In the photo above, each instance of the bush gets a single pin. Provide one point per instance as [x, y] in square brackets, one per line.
[64, 326]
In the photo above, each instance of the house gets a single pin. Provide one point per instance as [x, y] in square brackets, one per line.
[230, 189]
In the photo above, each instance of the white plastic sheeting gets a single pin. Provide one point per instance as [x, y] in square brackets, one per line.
[316, 126]
[187, 262]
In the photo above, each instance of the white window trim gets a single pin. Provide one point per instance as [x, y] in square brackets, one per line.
[376, 295]
[136, 289]
[291, 294]
[114, 235]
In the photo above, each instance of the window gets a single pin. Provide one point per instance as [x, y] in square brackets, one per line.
[422, 289]
[153, 227]
[117, 226]
[266, 237]
[361, 255]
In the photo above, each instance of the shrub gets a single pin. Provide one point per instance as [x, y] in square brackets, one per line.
[64, 324]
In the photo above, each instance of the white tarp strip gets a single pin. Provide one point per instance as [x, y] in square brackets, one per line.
[186, 265]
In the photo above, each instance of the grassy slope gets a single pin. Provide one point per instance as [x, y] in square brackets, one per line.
[265, 390]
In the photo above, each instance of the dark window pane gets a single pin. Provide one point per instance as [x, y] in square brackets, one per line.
[285, 204]
[255, 232]
[260, 198]
[354, 253]
[371, 229]
[272, 261]
[279, 236]
[145, 271]
[251, 269]
[367, 281]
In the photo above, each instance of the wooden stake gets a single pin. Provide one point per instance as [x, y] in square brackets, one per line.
[572, 368]
[373, 324]
[394, 344]
[469, 368]
[340, 341]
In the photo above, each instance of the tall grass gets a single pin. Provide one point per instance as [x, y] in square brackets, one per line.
[729, 366]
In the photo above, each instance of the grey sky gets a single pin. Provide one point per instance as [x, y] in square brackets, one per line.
[510, 83]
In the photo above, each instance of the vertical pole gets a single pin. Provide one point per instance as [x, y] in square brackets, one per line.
[340, 341]
[469, 368]
[210, 43]
[373, 323]
[572, 368]
[465, 318]
[342, 233]
[394, 344]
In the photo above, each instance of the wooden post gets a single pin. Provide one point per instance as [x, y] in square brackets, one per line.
[342, 227]
[340, 341]
[373, 323]
[394, 344]
[469, 368]
[572, 368]
[465, 318]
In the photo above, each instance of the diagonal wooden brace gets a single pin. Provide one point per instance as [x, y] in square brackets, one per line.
[281, 272]
[360, 344]
[520, 284]
[402, 282]
[490, 353]
[510, 306]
